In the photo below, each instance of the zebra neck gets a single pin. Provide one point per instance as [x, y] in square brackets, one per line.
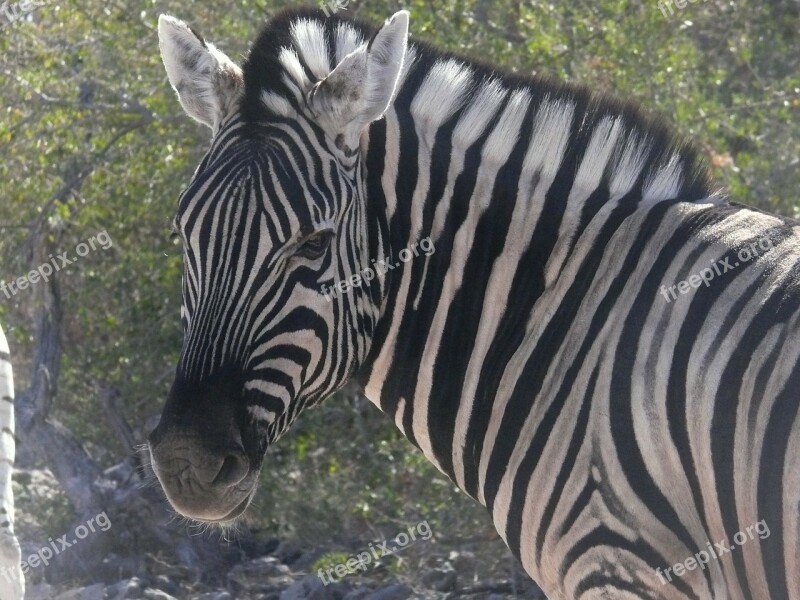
[505, 180]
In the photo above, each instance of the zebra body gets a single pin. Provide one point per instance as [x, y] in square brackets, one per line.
[553, 356]
[12, 581]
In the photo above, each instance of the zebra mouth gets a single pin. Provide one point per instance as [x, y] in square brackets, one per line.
[202, 484]
[205, 508]
[236, 512]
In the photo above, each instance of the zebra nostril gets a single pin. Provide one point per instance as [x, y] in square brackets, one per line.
[233, 470]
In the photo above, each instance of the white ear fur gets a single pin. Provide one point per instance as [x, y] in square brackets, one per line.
[362, 86]
[208, 83]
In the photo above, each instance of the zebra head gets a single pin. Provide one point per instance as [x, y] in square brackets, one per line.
[273, 218]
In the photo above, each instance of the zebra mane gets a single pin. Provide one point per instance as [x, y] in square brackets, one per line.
[600, 134]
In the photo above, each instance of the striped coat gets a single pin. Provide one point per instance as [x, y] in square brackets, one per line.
[12, 581]
[597, 347]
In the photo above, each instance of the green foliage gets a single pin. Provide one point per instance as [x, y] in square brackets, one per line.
[45, 512]
[88, 109]
[369, 478]
[328, 560]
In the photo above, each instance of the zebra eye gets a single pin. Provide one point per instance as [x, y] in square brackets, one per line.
[316, 245]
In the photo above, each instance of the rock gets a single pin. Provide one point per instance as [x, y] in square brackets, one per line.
[256, 546]
[440, 580]
[262, 575]
[311, 587]
[307, 559]
[393, 592]
[288, 553]
[125, 590]
[358, 594]
[93, 592]
[41, 591]
[151, 594]
[69, 595]
[215, 596]
[302, 589]
[165, 584]
[113, 568]
[267, 566]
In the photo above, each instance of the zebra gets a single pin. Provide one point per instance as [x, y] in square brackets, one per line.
[563, 355]
[12, 581]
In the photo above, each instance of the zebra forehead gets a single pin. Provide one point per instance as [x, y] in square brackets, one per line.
[310, 45]
[310, 42]
[294, 50]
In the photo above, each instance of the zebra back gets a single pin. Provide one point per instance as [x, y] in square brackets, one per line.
[12, 582]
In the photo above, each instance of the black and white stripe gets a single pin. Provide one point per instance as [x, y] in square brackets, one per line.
[12, 582]
[249, 317]
[532, 357]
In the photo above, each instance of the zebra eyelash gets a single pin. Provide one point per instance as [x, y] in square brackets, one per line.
[174, 232]
[315, 244]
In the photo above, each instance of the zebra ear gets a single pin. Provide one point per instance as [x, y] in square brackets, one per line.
[362, 86]
[208, 83]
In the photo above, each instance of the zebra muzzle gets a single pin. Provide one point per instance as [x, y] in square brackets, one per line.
[212, 484]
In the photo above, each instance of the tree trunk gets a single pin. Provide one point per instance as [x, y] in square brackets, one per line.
[139, 519]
